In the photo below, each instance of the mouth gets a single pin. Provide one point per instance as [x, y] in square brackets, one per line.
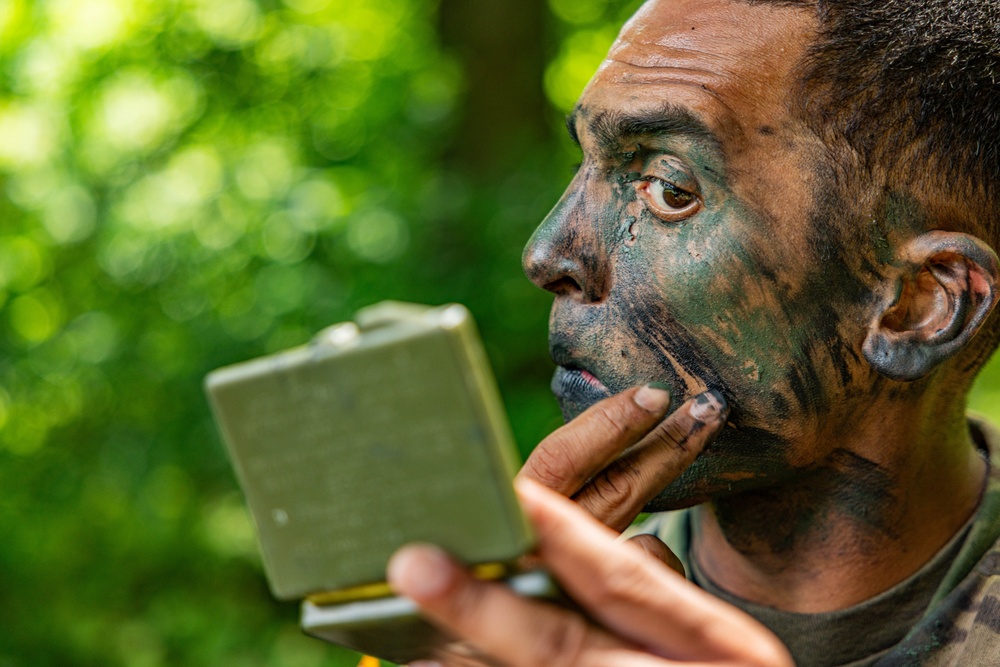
[577, 388]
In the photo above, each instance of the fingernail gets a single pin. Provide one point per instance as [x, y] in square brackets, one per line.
[420, 571]
[654, 397]
[709, 406]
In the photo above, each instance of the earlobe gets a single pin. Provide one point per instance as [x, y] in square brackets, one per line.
[942, 299]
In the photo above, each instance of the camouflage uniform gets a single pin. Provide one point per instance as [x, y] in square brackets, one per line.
[962, 624]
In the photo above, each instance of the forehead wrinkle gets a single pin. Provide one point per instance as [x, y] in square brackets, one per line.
[700, 79]
[659, 54]
[638, 80]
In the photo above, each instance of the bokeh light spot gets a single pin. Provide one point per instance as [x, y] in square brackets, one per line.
[25, 433]
[226, 528]
[69, 214]
[315, 205]
[22, 264]
[378, 236]
[229, 23]
[136, 112]
[173, 196]
[35, 316]
[300, 47]
[95, 336]
[266, 170]
[11, 18]
[28, 135]
[46, 67]
[283, 241]
[88, 24]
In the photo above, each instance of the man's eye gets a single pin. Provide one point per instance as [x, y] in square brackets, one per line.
[666, 201]
[667, 195]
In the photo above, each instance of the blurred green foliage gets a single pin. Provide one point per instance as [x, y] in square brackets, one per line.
[190, 183]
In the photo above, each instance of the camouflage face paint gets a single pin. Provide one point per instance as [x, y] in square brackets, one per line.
[694, 251]
[848, 485]
[710, 241]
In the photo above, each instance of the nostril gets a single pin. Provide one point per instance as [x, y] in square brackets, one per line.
[563, 286]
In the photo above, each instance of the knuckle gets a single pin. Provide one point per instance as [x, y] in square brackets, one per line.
[551, 465]
[609, 489]
[673, 436]
[629, 473]
[611, 421]
[622, 481]
[616, 494]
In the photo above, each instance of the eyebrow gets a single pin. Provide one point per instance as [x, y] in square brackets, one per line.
[611, 127]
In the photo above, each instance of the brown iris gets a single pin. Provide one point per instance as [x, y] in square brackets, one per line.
[666, 201]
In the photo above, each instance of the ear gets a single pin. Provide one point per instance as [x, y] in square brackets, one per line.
[947, 290]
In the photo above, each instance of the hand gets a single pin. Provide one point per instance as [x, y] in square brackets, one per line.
[641, 614]
[617, 455]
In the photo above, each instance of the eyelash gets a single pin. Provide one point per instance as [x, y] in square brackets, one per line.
[666, 184]
[674, 214]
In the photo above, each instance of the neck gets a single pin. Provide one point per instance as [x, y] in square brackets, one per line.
[877, 508]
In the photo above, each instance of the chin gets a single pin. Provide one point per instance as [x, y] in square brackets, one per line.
[742, 458]
[572, 409]
[739, 460]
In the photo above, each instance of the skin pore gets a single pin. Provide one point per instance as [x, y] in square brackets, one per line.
[704, 243]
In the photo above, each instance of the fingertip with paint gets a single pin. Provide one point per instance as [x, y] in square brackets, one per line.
[653, 398]
[710, 406]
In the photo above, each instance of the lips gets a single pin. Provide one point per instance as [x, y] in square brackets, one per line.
[577, 389]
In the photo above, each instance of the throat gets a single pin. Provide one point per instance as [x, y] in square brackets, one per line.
[836, 535]
[848, 492]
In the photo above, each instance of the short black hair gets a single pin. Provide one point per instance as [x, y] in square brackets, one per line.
[911, 84]
[906, 93]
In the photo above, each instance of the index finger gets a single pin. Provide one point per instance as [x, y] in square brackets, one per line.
[619, 492]
[574, 453]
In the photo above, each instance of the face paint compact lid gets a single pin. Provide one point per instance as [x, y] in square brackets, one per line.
[382, 432]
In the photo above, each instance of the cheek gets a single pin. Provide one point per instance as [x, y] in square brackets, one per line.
[720, 305]
[715, 281]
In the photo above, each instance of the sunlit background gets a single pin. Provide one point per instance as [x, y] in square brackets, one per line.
[191, 183]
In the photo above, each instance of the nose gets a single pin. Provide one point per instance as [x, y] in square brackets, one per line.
[566, 254]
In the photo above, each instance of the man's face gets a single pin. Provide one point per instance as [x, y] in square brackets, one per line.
[698, 245]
